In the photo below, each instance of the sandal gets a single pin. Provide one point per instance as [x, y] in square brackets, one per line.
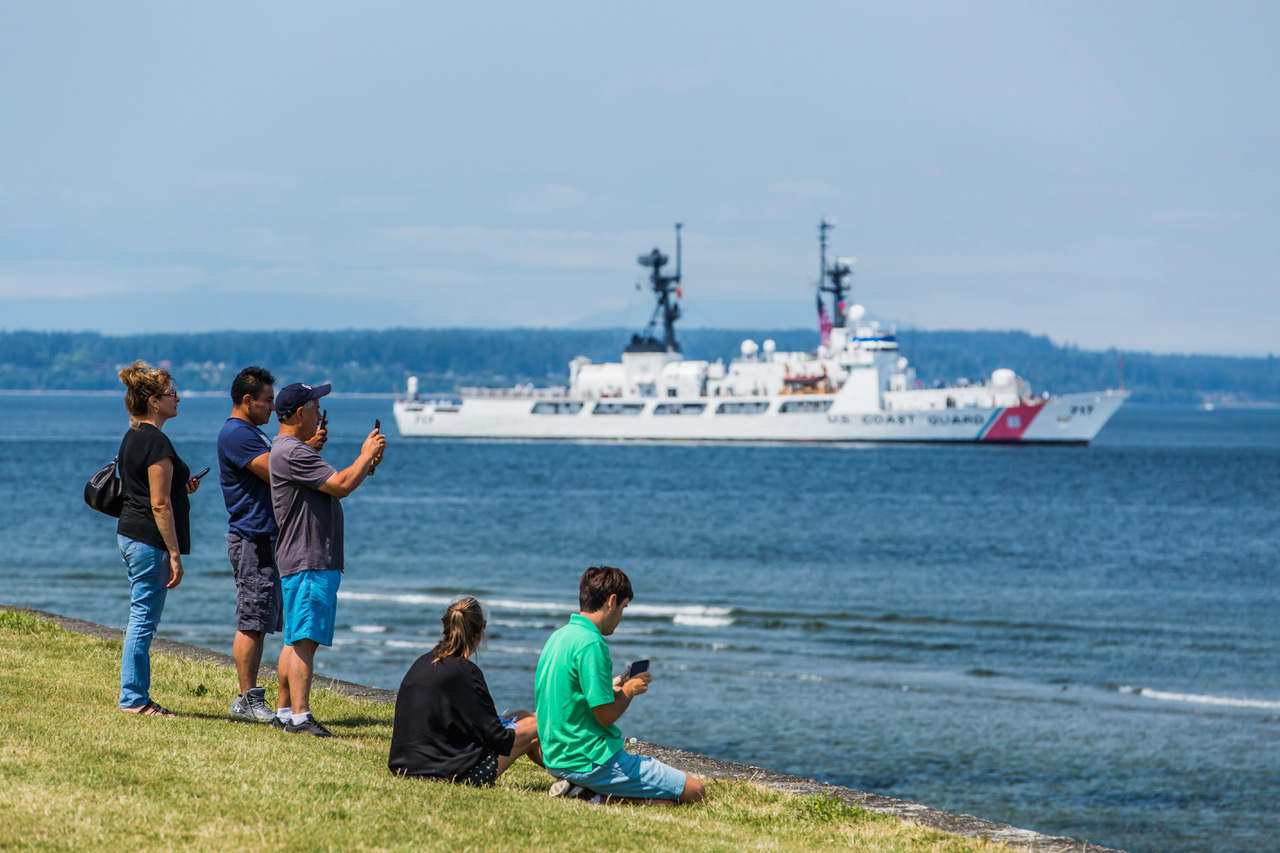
[151, 709]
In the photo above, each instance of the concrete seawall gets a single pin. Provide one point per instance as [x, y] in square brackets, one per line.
[700, 765]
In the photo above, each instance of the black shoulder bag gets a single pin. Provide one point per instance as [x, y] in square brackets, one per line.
[104, 491]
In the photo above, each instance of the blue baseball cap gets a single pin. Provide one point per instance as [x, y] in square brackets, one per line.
[290, 398]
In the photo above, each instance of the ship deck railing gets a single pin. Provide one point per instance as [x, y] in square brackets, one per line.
[519, 391]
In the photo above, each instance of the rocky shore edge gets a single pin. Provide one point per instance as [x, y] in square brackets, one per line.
[702, 766]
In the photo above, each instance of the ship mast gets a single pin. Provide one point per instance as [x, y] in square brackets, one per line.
[833, 280]
[667, 290]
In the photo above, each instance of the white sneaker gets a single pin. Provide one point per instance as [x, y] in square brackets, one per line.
[565, 788]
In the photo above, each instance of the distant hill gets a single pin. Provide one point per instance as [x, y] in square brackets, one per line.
[443, 359]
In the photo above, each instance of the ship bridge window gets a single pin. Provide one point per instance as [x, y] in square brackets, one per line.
[618, 409]
[757, 407]
[796, 406]
[679, 408]
[558, 408]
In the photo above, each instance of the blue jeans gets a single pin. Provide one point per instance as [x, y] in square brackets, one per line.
[148, 575]
[629, 775]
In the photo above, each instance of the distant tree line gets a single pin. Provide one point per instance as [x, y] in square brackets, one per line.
[445, 359]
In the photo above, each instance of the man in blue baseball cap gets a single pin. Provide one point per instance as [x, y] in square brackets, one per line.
[243, 451]
[295, 396]
[306, 494]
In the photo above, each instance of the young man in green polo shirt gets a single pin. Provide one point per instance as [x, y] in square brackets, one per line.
[579, 703]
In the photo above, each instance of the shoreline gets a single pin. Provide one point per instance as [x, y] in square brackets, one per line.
[702, 766]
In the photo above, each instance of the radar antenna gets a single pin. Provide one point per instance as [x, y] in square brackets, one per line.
[667, 290]
[837, 274]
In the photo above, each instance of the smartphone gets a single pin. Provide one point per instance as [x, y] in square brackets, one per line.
[377, 427]
[635, 668]
[202, 473]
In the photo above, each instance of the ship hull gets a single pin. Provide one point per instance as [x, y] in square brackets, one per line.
[1069, 419]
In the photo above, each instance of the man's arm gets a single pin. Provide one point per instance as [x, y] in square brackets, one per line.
[607, 715]
[344, 482]
[260, 465]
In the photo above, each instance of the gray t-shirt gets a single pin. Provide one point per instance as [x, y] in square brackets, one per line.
[310, 520]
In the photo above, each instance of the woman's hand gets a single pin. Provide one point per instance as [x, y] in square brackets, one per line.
[192, 485]
[175, 571]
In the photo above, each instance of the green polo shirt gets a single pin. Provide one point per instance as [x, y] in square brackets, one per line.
[575, 674]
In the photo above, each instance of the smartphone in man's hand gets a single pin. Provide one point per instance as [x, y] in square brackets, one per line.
[635, 668]
[377, 427]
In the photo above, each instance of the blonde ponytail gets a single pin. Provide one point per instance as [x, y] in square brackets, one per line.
[461, 627]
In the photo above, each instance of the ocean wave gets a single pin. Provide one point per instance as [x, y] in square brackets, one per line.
[511, 650]
[698, 620]
[1200, 698]
[798, 676]
[523, 623]
[673, 610]
[370, 629]
[408, 644]
[529, 606]
[397, 598]
[697, 615]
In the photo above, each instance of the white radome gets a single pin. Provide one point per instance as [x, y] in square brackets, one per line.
[1004, 378]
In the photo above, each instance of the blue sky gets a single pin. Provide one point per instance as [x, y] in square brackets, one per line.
[1104, 173]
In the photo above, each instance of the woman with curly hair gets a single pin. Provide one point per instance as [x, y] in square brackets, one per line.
[154, 529]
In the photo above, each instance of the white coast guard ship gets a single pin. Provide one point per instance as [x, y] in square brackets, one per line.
[856, 386]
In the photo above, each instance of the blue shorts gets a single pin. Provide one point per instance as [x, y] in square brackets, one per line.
[310, 606]
[628, 775]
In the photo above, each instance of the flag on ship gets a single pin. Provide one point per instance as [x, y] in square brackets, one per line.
[824, 323]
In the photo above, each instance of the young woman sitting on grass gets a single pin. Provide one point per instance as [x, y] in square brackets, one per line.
[446, 726]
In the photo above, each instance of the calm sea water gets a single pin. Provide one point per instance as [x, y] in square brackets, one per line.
[1082, 641]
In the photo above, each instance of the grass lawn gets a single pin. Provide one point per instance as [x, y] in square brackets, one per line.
[75, 773]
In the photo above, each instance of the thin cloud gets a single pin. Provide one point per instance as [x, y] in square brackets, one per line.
[807, 189]
[80, 281]
[545, 199]
[245, 181]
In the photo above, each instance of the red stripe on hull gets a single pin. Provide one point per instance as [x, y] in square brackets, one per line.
[1010, 424]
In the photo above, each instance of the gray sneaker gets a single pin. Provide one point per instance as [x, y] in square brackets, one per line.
[309, 726]
[252, 705]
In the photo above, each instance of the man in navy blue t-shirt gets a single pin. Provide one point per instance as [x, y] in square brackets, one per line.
[243, 451]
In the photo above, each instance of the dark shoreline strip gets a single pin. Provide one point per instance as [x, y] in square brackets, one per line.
[690, 762]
